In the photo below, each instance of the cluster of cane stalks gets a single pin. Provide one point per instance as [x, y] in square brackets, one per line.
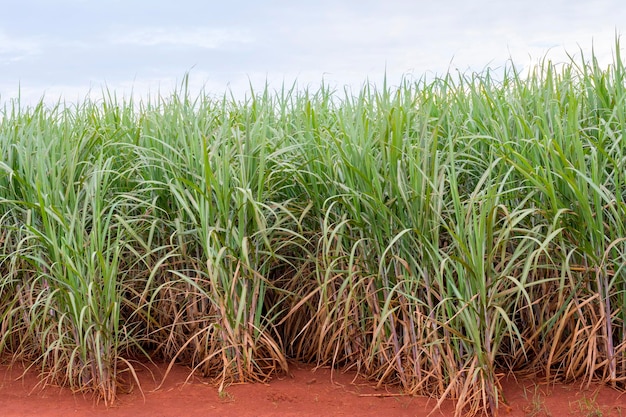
[436, 235]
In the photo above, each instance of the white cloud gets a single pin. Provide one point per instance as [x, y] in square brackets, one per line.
[242, 43]
[196, 37]
[15, 48]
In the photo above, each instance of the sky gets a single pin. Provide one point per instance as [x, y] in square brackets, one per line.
[68, 49]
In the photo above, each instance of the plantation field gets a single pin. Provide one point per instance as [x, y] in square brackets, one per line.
[434, 235]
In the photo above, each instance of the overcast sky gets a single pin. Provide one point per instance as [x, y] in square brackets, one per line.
[65, 48]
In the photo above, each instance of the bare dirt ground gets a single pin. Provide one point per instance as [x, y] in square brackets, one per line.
[305, 392]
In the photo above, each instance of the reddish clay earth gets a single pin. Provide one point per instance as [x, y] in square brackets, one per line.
[305, 392]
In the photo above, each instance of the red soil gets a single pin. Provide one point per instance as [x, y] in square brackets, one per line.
[305, 392]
